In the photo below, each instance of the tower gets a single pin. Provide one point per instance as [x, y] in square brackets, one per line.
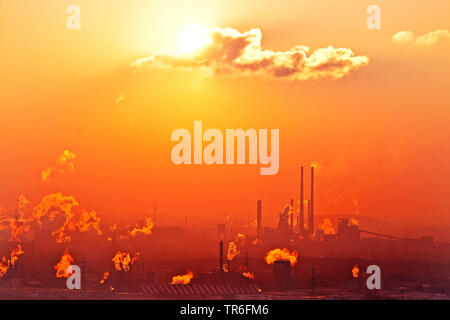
[311, 209]
[221, 256]
[301, 222]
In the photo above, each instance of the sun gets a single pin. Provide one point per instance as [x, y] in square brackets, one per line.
[191, 38]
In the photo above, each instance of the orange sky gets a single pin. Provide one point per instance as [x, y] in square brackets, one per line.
[380, 134]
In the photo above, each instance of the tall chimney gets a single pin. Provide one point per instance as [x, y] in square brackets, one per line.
[259, 219]
[221, 256]
[308, 211]
[311, 218]
[302, 207]
[292, 215]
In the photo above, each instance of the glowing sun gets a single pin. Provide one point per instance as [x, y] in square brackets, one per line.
[191, 38]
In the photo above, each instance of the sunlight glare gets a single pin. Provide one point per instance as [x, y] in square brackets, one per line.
[191, 38]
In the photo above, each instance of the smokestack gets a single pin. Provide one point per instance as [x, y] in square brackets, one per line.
[308, 211]
[311, 213]
[292, 215]
[221, 256]
[259, 219]
[302, 216]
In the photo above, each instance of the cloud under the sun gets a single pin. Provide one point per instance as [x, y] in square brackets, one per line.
[231, 52]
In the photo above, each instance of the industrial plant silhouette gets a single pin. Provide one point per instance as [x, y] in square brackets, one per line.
[304, 256]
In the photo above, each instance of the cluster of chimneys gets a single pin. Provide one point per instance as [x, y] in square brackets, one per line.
[301, 218]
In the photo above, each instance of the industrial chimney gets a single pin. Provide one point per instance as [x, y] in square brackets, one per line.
[308, 211]
[221, 256]
[301, 221]
[311, 213]
[259, 219]
[292, 215]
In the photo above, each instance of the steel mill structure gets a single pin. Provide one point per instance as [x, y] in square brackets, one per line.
[304, 256]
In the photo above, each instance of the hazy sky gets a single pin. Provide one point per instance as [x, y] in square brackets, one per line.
[380, 134]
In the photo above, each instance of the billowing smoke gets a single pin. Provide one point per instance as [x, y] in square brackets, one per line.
[143, 228]
[64, 164]
[62, 267]
[88, 221]
[16, 224]
[353, 222]
[54, 212]
[105, 277]
[281, 255]
[232, 251]
[183, 279]
[124, 260]
[355, 271]
[7, 263]
[327, 226]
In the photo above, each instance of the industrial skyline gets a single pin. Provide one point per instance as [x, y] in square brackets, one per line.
[225, 150]
[313, 260]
